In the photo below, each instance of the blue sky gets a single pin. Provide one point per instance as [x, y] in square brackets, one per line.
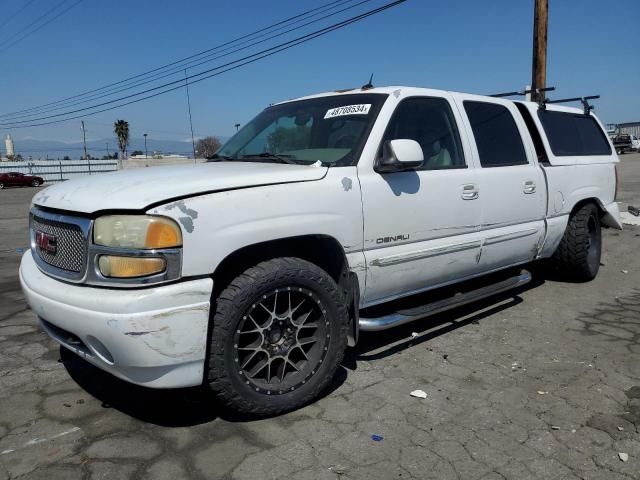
[464, 45]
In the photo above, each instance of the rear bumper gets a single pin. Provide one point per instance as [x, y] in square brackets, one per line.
[154, 337]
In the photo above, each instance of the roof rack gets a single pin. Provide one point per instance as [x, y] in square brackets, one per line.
[522, 93]
[584, 100]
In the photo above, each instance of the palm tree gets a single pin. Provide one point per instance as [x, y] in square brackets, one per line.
[121, 129]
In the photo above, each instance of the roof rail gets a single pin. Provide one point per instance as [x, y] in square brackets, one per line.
[584, 100]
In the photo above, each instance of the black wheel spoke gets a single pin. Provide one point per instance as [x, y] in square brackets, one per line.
[307, 341]
[301, 350]
[251, 357]
[258, 368]
[309, 325]
[298, 323]
[265, 308]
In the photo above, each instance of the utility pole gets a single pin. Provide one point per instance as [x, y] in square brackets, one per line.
[107, 148]
[146, 156]
[193, 142]
[84, 140]
[237, 126]
[539, 65]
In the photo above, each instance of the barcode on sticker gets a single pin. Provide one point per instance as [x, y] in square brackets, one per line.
[361, 109]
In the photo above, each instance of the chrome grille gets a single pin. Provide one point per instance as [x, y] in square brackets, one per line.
[71, 246]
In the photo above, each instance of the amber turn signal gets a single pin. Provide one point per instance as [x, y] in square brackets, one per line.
[163, 233]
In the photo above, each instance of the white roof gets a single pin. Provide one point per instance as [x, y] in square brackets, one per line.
[422, 91]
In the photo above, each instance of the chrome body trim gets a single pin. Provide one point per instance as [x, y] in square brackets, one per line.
[510, 236]
[426, 253]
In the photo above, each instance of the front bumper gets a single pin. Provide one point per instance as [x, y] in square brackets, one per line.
[154, 337]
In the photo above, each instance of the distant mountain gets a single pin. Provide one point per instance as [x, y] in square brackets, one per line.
[96, 148]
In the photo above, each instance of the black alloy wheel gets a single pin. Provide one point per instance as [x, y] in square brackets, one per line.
[278, 335]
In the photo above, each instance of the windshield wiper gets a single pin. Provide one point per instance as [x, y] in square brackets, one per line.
[220, 158]
[273, 156]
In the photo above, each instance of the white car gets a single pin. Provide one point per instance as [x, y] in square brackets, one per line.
[635, 143]
[251, 274]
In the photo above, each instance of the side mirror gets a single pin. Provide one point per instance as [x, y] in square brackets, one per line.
[400, 155]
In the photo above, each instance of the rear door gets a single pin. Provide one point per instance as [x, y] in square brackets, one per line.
[511, 185]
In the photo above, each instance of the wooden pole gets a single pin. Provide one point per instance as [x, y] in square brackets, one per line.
[539, 66]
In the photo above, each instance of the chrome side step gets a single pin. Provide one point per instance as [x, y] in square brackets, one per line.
[405, 316]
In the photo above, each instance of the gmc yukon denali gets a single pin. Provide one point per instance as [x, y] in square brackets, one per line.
[250, 274]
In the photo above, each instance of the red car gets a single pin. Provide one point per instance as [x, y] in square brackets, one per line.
[15, 179]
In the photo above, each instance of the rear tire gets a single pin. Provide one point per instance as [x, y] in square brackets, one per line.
[257, 322]
[1, 185]
[577, 257]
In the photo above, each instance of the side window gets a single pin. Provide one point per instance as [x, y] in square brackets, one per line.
[573, 134]
[497, 136]
[430, 122]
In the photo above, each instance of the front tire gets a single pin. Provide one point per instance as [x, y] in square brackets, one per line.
[578, 255]
[1, 185]
[278, 335]
[35, 183]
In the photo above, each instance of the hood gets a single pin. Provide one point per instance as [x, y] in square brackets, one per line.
[136, 189]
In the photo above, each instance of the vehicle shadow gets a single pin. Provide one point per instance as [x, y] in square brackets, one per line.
[195, 406]
[183, 407]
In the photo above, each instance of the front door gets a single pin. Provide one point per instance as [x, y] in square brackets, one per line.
[421, 227]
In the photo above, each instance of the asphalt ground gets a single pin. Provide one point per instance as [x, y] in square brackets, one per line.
[540, 383]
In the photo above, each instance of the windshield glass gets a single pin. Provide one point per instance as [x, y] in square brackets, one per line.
[331, 130]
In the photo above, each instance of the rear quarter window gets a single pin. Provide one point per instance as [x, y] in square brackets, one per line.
[573, 134]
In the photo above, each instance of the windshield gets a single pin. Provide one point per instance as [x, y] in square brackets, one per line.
[331, 130]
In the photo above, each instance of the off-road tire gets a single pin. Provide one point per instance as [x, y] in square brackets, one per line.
[577, 257]
[235, 301]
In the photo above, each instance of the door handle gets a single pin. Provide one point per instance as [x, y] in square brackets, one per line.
[470, 191]
[529, 187]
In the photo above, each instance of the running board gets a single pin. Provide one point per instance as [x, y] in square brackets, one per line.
[405, 316]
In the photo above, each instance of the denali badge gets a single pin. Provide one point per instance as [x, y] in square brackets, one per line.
[394, 238]
[46, 242]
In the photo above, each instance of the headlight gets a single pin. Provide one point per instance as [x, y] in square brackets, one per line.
[137, 231]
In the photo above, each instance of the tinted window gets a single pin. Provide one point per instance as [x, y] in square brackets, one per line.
[497, 136]
[430, 122]
[573, 134]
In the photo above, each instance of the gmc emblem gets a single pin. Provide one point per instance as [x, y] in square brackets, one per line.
[46, 242]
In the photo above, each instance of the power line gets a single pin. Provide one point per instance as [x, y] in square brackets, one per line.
[13, 117]
[180, 61]
[223, 69]
[19, 39]
[238, 63]
[18, 12]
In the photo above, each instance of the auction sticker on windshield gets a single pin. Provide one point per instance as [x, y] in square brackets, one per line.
[361, 109]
